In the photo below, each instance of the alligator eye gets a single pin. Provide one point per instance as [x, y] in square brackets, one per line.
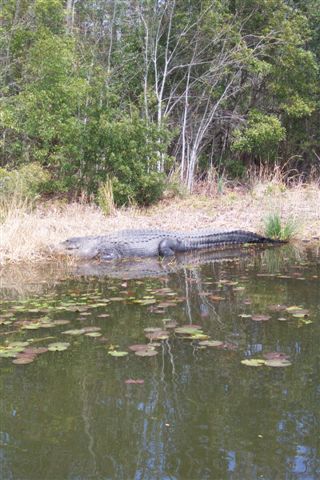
[107, 256]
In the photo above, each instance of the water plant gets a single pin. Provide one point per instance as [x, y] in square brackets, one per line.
[277, 229]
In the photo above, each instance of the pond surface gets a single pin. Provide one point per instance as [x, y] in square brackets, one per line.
[188, 410]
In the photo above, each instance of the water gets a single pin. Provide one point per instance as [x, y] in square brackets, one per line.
[199, 413]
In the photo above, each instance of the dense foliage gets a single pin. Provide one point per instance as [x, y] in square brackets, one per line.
[127, 90]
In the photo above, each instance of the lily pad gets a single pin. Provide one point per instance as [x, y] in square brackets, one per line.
[187, 330]
[148, 301]
[161, 335]
[198, 336]
[58, 346]
[35, 350]
[210, 343]
[18, 344]
[146, 353]
[277, 307]
[9, 353]
[61, 322]
[300, 313]
[260, 318]
[32, 325]
[23, 360]
[253, 362]
[131, 381]
[141, 346]
[117, 353]
[278, 362]
[294, 308]
[216, 298]
[93, 334]
[75, 331]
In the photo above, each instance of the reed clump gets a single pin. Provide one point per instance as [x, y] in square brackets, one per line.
[105, 197]
[278, 229]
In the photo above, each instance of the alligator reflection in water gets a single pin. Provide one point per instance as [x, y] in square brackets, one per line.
[17, 280]
[134, 268]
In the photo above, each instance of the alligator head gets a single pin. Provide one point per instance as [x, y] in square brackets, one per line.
[88, 248]
[80, 246]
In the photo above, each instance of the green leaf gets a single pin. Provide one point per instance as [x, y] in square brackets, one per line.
[278, 362]
[117, 353]
[76, 331]
[253, 362]
[211, 343]
[58, 346]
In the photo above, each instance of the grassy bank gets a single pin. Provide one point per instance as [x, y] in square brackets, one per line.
[29, 234]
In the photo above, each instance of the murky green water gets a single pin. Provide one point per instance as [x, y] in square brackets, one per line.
[195, 412]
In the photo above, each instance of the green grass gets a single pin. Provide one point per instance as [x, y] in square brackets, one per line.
[105, 197]
[276, 229]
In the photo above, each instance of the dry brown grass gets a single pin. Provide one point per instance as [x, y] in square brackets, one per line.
[29, 234]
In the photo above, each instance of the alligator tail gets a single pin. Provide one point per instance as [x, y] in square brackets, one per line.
[234, 237]
[242, 236]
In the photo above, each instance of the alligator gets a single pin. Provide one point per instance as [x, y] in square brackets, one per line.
[152, 243]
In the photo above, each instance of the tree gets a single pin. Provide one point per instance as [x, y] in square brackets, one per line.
[96, 90]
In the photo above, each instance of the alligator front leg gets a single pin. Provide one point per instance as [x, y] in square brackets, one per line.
[168, 247]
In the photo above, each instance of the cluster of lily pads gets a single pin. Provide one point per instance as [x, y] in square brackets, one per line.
[24, 352]
[292, 312]
[74, 302]
[157, 300]
[156, 335]
[277, 359]
[270, 359]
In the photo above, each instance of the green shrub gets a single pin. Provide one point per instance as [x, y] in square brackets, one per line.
[261, 136]
[128, 152]
[235, 168]
[274, 227]
[25, 182]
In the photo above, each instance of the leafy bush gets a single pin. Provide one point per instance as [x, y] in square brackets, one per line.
[128, 152]
[26, 182]
[235, 168]
[261, 136]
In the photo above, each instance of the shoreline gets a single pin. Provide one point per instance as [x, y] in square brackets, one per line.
[28, 236]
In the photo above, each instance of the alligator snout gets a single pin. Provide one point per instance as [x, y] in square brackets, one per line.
[69, 246]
